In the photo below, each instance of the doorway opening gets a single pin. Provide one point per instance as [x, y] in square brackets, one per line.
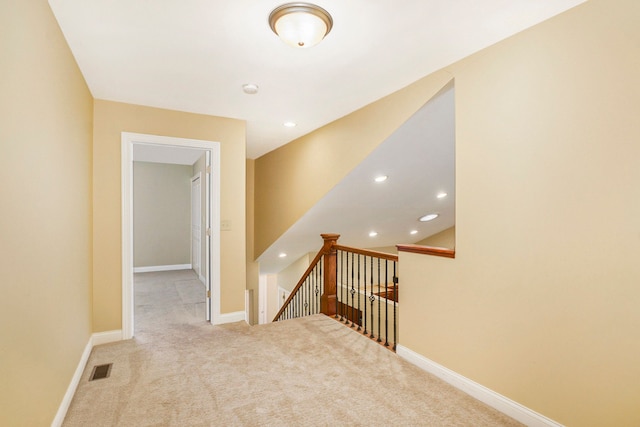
[209, 262]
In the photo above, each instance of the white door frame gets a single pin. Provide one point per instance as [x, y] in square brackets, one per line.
[196, 256]
[213, 221]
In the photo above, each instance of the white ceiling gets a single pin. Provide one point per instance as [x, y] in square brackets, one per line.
[194, 55]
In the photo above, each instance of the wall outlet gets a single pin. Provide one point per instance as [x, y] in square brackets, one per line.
[225, 225]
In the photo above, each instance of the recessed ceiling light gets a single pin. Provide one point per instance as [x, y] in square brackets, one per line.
[441, 195]
[290, 124]
[372, 234]
[428, 217]
[250, 88]
[381, 178]
[282, 255]
[413, 232]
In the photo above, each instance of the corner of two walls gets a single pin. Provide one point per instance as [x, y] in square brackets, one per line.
[253, 266]
[46, 121]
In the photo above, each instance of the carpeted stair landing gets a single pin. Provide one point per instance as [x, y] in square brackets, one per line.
[303, 372]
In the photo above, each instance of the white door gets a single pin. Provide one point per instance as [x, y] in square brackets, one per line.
[196, 224]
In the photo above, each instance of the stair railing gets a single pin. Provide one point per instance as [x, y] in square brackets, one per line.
[359, 287]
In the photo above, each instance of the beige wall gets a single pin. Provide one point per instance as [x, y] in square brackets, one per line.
[288, 278]
[292, 178]
[272, 296]
[443, 239]
[45, 165]
[542, 301]
[161, 214]
[110, 120]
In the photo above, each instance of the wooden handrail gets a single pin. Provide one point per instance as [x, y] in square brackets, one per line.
[427, 250]
[367, 252]
[372, 311]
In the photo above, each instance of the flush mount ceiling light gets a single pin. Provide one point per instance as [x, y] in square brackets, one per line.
[428, 217]
[289, 124]
[441, 195]
[282, 255]
[372, 234]
[381, 178]
[300, 25]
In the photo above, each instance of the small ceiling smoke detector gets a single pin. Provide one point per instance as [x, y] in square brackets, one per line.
[250, 88]
[300, 25]
[290, 124]
[428, 217]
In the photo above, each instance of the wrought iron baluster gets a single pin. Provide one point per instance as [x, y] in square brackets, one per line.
[321, 287]
[395, 304]
[358, 310]
[379, 301]
[364, 298]
[386, 303]
[371, 299]
[352, 291]
[345, 284]
[304, 297]
[340, 285]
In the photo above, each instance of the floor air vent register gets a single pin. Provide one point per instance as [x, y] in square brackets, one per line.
[100, 371]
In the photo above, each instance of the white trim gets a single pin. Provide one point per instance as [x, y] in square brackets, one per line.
[203, 280]
[106, 337]
[73, 385]
[213, 148]
[152, 268]
[94, 340]
[495, 400]
[262, 299]
[236, 316]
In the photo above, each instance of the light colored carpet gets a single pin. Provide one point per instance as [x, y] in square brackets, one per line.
[303, 372]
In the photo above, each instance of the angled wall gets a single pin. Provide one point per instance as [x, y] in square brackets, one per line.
[45, 230]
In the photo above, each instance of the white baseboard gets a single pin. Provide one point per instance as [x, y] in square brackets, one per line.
[95, 339]
[236, 316]
[106, 337]
[495, 400]
[73, 385]
[162, 268]
[203, 280]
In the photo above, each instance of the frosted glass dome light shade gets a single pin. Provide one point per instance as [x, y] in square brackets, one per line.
[300, 25]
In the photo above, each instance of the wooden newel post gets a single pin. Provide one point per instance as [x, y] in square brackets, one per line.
[328, 300]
